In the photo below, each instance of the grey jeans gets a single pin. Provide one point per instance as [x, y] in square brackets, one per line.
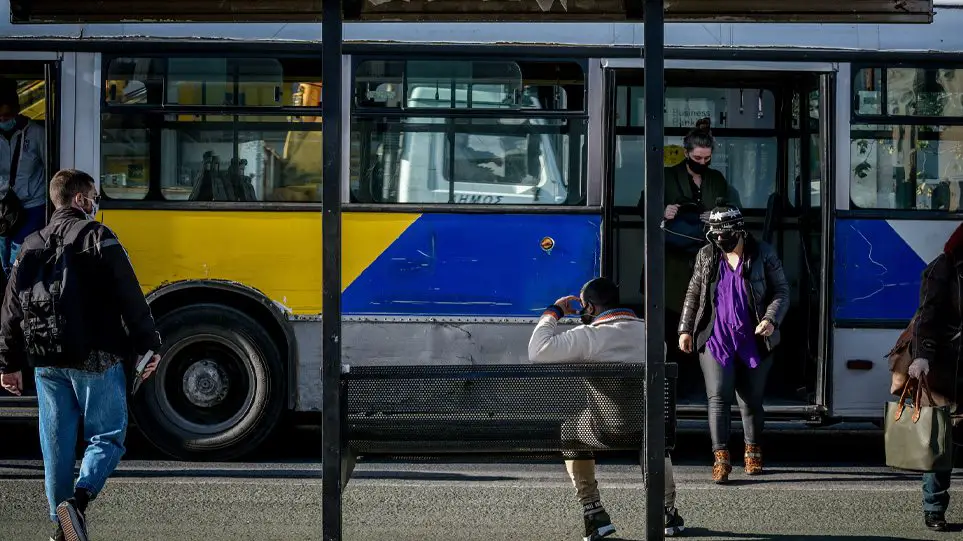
[747, 384]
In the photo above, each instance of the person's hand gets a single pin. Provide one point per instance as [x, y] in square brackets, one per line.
[567, 304]
[685, 343]
[919, 368]
[704, 217]
[671, 211]
[765, 328]
[151, 366]
[12, 382]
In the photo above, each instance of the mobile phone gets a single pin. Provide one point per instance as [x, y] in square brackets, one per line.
[139, 370]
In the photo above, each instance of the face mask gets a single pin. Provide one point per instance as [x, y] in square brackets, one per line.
[585, 316]
[727, 243]
[8, 125]
[696, 167]
[94, 207]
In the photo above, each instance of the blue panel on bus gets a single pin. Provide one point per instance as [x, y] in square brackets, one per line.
[876, 271]
[485, 265]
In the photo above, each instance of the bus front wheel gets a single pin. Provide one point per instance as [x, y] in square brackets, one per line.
[219, 389]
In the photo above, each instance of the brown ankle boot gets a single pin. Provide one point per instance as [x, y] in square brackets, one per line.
[722, 467]
[753, 459]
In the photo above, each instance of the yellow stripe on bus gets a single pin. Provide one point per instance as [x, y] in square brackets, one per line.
[278, 253]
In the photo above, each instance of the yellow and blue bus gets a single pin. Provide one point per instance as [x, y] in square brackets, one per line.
[491, 169]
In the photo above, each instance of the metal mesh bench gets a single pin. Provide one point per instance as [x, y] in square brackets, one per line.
[522, 409]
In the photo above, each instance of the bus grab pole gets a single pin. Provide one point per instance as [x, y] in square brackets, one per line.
[654, 83]
[331, 444]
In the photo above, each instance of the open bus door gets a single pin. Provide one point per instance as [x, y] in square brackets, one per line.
[768, 120]
[36, 75]
[819, 226]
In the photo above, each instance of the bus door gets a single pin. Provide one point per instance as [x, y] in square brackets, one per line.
[35, 75]
[767, 120]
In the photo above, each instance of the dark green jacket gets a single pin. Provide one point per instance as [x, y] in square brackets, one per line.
[677, 189]
[678, 266]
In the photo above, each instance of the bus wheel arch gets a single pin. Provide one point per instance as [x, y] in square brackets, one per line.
[223, 384]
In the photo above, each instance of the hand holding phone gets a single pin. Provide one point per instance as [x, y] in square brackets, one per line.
[145, 367]
[569, 304]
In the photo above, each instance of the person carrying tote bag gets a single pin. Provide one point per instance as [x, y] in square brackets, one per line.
[918, 438]
[936, 352]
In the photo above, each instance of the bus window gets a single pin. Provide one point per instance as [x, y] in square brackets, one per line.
[430, 157]
[254, 82]
[902, 156]
[798, 191]
[260, 144]
[124, 159]
[477, 84]
[747, 157]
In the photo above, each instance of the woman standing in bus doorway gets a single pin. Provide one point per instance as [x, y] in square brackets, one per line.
[936, 346]
[737, 298]
[690, 187]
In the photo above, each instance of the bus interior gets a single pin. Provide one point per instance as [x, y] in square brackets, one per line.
[760, 121]
[35, 88]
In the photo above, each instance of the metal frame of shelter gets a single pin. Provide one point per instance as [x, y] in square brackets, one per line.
[333, 13]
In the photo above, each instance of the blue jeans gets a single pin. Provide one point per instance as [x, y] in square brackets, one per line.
[33, 220]
[66, 396]
[936, 491]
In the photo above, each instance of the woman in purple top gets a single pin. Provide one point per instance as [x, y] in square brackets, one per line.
[737, 298]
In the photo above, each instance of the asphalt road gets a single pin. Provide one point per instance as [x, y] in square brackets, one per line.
[825, 485]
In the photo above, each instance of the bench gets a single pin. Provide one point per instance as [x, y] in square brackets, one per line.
[532, 409]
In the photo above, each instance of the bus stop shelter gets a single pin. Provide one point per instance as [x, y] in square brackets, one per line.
[333, 13]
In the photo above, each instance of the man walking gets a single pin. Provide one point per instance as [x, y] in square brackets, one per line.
[608, 334]
[74, 311]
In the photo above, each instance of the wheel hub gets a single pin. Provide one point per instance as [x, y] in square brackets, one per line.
[205, 384]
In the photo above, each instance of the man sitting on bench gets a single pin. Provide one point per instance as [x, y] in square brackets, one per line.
[608, 334]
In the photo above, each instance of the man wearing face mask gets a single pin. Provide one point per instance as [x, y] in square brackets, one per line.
[79, 357]
[736, 301]
[607, 334]
[23, 149]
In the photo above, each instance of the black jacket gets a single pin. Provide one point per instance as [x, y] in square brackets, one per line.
[938, 324]
[117, 317]
[765, 281]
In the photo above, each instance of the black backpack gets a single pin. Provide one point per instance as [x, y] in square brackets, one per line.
[51, 295]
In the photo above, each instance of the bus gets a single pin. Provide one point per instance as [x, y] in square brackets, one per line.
[492, 169]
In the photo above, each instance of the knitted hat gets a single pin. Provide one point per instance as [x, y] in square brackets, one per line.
[725, 218]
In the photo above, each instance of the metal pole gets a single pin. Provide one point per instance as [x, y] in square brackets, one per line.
[654, 81]
[331, 74]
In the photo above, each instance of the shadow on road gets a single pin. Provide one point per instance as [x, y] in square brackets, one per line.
[430, 476]
[712, 534]
[210, 473]
[35, 471]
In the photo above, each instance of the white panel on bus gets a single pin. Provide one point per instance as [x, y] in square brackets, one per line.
[68, 109]
[861, 393]
[80, 85]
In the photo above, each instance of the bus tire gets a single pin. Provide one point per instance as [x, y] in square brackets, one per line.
[219, 389]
